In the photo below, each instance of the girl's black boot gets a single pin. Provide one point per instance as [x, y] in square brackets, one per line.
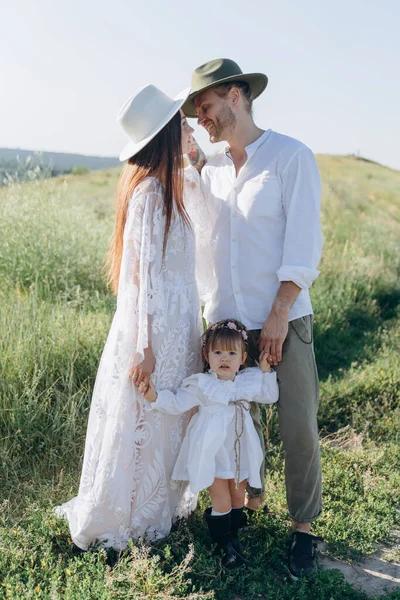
[238, 520]
[220, 531]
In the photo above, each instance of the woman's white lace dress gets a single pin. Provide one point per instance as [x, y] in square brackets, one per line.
[126, 489]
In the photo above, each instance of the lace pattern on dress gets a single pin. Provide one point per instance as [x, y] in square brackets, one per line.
[126, 489]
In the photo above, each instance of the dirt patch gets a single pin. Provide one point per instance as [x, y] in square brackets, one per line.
[375, 575]
[380, 572]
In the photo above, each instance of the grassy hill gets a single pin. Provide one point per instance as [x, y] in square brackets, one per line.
[55, 313]
[21, 163]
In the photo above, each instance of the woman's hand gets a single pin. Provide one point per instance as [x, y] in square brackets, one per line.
[150, 393]
[196, 156]
[142, 372]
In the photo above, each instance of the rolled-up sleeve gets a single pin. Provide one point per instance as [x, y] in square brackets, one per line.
[303, 238]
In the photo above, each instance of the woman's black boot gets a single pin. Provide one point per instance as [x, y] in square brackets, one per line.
[220, 531]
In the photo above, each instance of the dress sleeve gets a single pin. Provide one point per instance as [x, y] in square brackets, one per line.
[202, 220]
[269, 393]
[187, 396]
[140, 302]
[256, 386]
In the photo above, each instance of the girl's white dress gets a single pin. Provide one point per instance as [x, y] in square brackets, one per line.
[210, 448]
[126, 489]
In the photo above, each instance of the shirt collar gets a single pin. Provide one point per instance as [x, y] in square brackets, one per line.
[251, 148]
[223, 381]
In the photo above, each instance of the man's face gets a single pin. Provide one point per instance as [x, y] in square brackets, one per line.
[215, 115]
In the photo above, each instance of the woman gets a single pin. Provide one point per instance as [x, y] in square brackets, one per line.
[125, 489]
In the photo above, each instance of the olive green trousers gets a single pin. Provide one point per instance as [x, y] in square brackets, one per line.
[297, 412]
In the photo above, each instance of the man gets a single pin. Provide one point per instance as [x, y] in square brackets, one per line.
[266, 245]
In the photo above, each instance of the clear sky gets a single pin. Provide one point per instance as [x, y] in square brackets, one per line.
[68, 66]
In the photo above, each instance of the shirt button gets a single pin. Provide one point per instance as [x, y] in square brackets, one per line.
[233, 266]
[236, 292]
[234, 240]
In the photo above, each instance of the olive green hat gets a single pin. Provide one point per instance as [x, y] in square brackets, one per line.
[216, 72]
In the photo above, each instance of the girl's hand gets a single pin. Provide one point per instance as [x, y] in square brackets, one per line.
[264, 362]
[150, 393]
[141, 373]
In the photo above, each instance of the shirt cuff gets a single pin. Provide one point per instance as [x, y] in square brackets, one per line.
[155, 405]
[165, 403]
[149, 406]
[301, 276]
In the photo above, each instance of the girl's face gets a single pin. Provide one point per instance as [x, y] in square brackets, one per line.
[226, 363]
[186, 134]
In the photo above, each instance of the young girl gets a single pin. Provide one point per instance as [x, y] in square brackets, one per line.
[221, 450]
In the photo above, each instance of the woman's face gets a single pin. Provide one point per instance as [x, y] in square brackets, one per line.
[186, 134]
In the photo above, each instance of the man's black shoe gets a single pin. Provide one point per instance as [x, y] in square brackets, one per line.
[302, 554]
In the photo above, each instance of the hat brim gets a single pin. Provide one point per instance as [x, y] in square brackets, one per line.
[257, 82]
[133, 148]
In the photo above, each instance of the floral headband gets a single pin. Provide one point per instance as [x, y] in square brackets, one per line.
[226, 325]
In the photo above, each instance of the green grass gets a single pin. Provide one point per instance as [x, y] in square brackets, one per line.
[55, 313]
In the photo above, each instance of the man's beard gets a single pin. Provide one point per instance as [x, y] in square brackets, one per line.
[223, 124]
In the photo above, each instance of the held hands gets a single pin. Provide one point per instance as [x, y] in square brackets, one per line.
[263, 362]
[275, 328]
[150, 393]
[141, 373]
[273, 334]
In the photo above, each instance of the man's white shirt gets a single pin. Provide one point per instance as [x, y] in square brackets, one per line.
[266, 228]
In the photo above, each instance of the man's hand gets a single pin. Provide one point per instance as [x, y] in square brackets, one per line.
[275, 328]
[273, 334]
[141, 373]
[150, 393]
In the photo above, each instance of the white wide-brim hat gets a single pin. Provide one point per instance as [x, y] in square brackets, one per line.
[145, 114]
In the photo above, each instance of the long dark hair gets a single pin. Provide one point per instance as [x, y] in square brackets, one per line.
[162, 158]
